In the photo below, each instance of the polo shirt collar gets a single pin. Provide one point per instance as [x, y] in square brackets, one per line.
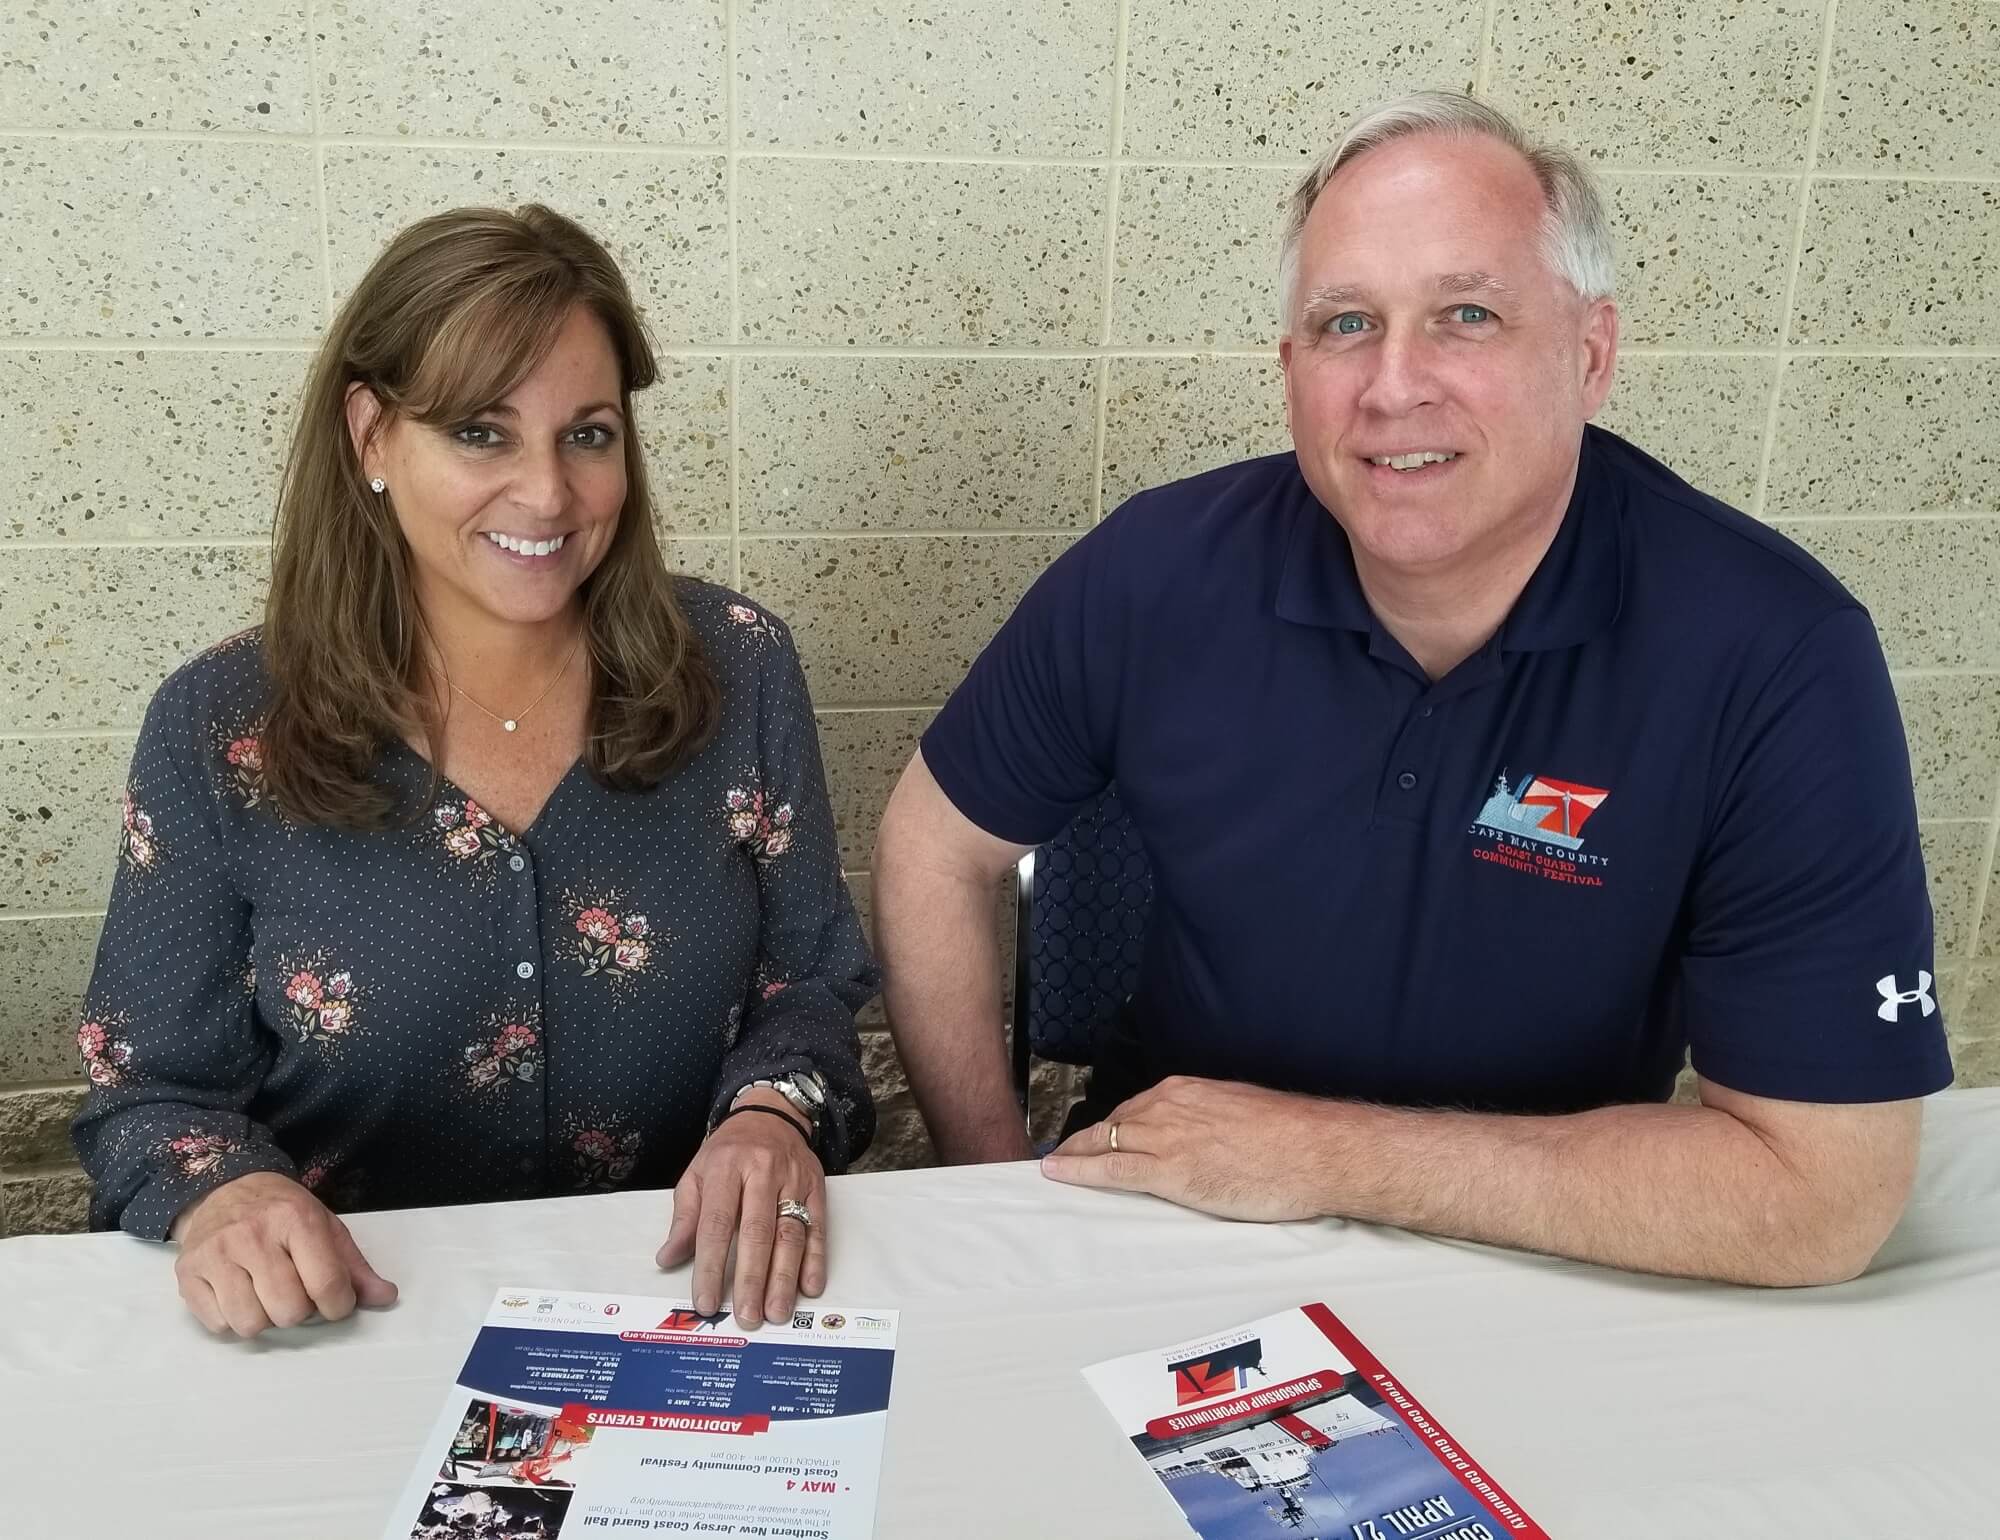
[1574, 593]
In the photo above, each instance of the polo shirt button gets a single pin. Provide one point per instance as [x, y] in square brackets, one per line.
[517, 862]
[1407, 780]
[1427, 711]
[525, 970]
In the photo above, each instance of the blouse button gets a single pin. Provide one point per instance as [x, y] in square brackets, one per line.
[525, 970]
[516, 862]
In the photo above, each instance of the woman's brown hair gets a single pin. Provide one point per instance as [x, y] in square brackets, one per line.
[455, 313]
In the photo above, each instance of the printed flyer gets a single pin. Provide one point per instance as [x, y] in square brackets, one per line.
[585, 1414]
[1289, 1426]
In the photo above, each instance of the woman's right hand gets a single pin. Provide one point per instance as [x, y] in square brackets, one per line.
[261, 1251]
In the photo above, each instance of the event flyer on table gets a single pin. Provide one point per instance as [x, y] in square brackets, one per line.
[1289, 1426]
[585, 1414]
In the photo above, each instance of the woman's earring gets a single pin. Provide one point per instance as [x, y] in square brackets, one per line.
[378, 486]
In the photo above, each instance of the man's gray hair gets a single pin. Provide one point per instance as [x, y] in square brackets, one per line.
[1576, 235]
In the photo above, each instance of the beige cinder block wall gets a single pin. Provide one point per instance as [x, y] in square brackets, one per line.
[938, 285]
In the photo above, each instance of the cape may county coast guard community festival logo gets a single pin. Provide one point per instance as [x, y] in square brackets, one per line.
[1539, 829]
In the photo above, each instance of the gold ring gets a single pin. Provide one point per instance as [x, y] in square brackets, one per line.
[1114, 1138]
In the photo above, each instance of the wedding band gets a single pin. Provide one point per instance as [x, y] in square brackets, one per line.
[1114, 1138]
[791, 1208]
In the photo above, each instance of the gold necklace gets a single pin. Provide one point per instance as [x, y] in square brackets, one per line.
[513, 723]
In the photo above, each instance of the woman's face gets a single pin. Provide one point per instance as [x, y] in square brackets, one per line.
[507, 512]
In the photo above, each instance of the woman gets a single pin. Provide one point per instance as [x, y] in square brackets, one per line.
[498, 862]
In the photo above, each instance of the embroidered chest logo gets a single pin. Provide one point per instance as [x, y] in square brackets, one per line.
[1539, 829]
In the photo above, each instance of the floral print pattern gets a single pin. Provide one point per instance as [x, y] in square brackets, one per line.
[610, 943]
[602, 1152]
[755, 623]
[334, 1184]
[764, 830]
[198, 1154]
[138, 847]
[104, 1052]
[320, 1006]
[470, 834]
[511, 1050]
[245, 757]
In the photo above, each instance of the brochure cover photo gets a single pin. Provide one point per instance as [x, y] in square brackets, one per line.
[1289, 1426]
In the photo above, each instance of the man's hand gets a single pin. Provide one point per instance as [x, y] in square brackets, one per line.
[1742, 1188]
[730, 1192]
[1215, 1145]
[261, 1251]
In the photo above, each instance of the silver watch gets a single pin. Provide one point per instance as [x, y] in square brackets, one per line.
[805, 1092]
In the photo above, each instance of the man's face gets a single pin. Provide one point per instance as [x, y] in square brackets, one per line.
[1426, 321]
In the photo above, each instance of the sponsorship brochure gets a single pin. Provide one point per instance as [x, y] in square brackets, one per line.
[1289, 1426]
[585, 1414]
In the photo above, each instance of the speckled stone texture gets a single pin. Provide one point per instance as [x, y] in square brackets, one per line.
[44, 968]
[614, 72]
[664, 217]
[1165, 418]
[887, 253]
[1703, 416]
[866, 752]
[45, 1200]
[1886, 436]
[34, 1124]
[1701, 260]
[59, 811]
[120, 65]
[177, 239]
[894, 620]
[1663, 82]
[1952, 722]
[1914, 86]
[889, 444]
[1197, 257]
[145, 445]
[1900, 264]
[935, 76]
[86, 636]
[1933, 585]
[1206, 81]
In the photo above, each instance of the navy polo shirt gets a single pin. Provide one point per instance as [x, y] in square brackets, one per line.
[1666, 808]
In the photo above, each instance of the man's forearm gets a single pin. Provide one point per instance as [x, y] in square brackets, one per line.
[941, 984]
[1689, 1190]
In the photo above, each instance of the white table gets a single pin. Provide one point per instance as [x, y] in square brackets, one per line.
[1612, 1407]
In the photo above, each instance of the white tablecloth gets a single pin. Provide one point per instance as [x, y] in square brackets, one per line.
[1612, 1407]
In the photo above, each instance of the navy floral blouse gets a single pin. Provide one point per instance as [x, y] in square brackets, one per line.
[447, 1012]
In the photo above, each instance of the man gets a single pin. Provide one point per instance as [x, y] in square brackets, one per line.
[1486, 768]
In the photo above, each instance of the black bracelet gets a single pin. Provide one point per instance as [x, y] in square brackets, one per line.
[790, 1122]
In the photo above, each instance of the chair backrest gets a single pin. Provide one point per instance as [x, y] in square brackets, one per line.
[1080, 929]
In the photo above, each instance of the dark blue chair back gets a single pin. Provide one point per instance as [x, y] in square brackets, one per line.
[1080, 929]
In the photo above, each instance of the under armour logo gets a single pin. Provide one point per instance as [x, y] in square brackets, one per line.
[1894, 999]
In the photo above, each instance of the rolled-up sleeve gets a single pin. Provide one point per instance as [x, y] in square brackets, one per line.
[169, 1037]
[814, 968]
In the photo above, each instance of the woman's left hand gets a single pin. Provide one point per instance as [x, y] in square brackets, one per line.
[730, 1192]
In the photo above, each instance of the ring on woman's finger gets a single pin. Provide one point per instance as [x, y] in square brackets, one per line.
[1114, 1138]
[791, 1208]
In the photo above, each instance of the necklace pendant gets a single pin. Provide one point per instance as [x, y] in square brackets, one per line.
[510, 724]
